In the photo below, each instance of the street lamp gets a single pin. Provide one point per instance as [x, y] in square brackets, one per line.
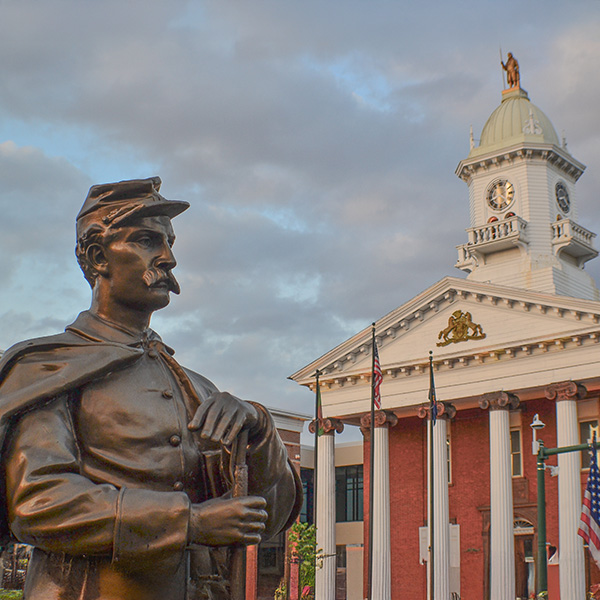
[536, 425]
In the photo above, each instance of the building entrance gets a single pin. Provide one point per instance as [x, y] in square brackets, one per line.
[524, 559]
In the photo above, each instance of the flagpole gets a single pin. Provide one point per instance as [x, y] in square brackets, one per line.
[372, 462]
[432, 410]
[316, 450]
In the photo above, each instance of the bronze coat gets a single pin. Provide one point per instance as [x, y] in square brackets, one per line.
[100, 468]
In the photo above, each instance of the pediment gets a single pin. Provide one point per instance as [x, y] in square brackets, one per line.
[510, 320]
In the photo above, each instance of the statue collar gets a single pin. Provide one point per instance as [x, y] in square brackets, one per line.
[96, 329]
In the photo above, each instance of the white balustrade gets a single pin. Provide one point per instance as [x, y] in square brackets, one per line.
[565, 230]
[498, 230]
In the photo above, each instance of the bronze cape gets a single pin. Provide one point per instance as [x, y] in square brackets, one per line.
[99, 472]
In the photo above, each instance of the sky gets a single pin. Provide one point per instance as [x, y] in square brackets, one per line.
[315, 140]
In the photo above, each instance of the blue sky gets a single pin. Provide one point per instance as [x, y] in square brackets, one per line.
[316, 142]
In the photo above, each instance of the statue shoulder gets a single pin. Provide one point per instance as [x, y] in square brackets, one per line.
[40, 344]
[43, 368]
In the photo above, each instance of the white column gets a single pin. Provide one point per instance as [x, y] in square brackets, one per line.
[502, 546]
[441, 516]
[571, 557]
[325, 576]
[382, 577]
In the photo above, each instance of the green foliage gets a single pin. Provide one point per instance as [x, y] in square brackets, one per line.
[281, 591]
[11, 594]
[311, 558]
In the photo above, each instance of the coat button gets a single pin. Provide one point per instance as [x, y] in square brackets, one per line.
[153, 354]
[175, 440]
[167, 394]
[178, 486]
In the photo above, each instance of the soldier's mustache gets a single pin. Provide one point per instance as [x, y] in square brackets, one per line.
[153, 277]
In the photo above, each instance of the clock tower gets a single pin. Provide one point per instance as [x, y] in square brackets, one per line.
[523, 209]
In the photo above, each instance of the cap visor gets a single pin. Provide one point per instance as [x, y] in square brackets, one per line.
[170, 208]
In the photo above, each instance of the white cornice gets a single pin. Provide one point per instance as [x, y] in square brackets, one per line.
[290, 421]
[519, 152]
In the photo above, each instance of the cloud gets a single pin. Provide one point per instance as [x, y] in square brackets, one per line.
[316, 142]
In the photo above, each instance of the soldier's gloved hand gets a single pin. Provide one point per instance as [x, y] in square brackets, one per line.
[222, 522]
[222, 416]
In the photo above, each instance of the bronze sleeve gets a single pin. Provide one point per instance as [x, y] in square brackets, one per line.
[52, 506]
[271, 475]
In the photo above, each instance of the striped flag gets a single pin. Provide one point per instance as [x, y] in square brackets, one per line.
[589, 525]
[377, 377]
[433, 409]
[319, 409]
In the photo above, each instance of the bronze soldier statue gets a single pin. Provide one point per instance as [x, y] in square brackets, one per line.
[512, 71]
[116, 459]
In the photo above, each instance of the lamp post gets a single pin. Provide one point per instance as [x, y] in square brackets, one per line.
[537, 448]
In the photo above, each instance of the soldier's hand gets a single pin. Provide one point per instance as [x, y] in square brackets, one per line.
[222, 522]
[222, 416]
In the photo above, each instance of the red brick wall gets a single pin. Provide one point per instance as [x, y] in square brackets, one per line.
[408, 491]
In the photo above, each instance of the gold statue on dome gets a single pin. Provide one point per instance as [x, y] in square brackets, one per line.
[512, 71]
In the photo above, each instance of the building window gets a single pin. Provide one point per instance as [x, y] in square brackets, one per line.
[586, 433]
[349, 493]
[271, 556]
[340, 552]
[516, 453]
[307, 478]
[267, 558]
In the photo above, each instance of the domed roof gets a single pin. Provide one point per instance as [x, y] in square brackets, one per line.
[515, 121]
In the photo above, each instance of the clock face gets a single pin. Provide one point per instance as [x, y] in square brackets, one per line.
[562, 197]
[500, 194]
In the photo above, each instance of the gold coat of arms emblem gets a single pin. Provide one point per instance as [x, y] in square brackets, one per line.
[460, 329]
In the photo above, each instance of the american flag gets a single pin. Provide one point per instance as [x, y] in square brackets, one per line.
[377, 378]
[589, 525]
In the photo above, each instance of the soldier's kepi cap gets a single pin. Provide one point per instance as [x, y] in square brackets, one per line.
[114, 204]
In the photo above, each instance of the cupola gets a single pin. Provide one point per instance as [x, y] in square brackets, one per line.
[516, 121]
[523, 208]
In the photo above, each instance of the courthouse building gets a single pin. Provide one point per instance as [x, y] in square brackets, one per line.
[518, 337]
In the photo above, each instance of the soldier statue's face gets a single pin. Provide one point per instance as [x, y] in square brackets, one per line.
[140, 259]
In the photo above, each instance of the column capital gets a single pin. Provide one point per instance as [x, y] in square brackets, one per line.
[383, 418]
[329, 426]
[499, 401]
[445, 410]
[565, 390]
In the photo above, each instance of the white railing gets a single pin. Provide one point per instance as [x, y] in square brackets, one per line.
[464, 256]
[565, 230]
[498, 230]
